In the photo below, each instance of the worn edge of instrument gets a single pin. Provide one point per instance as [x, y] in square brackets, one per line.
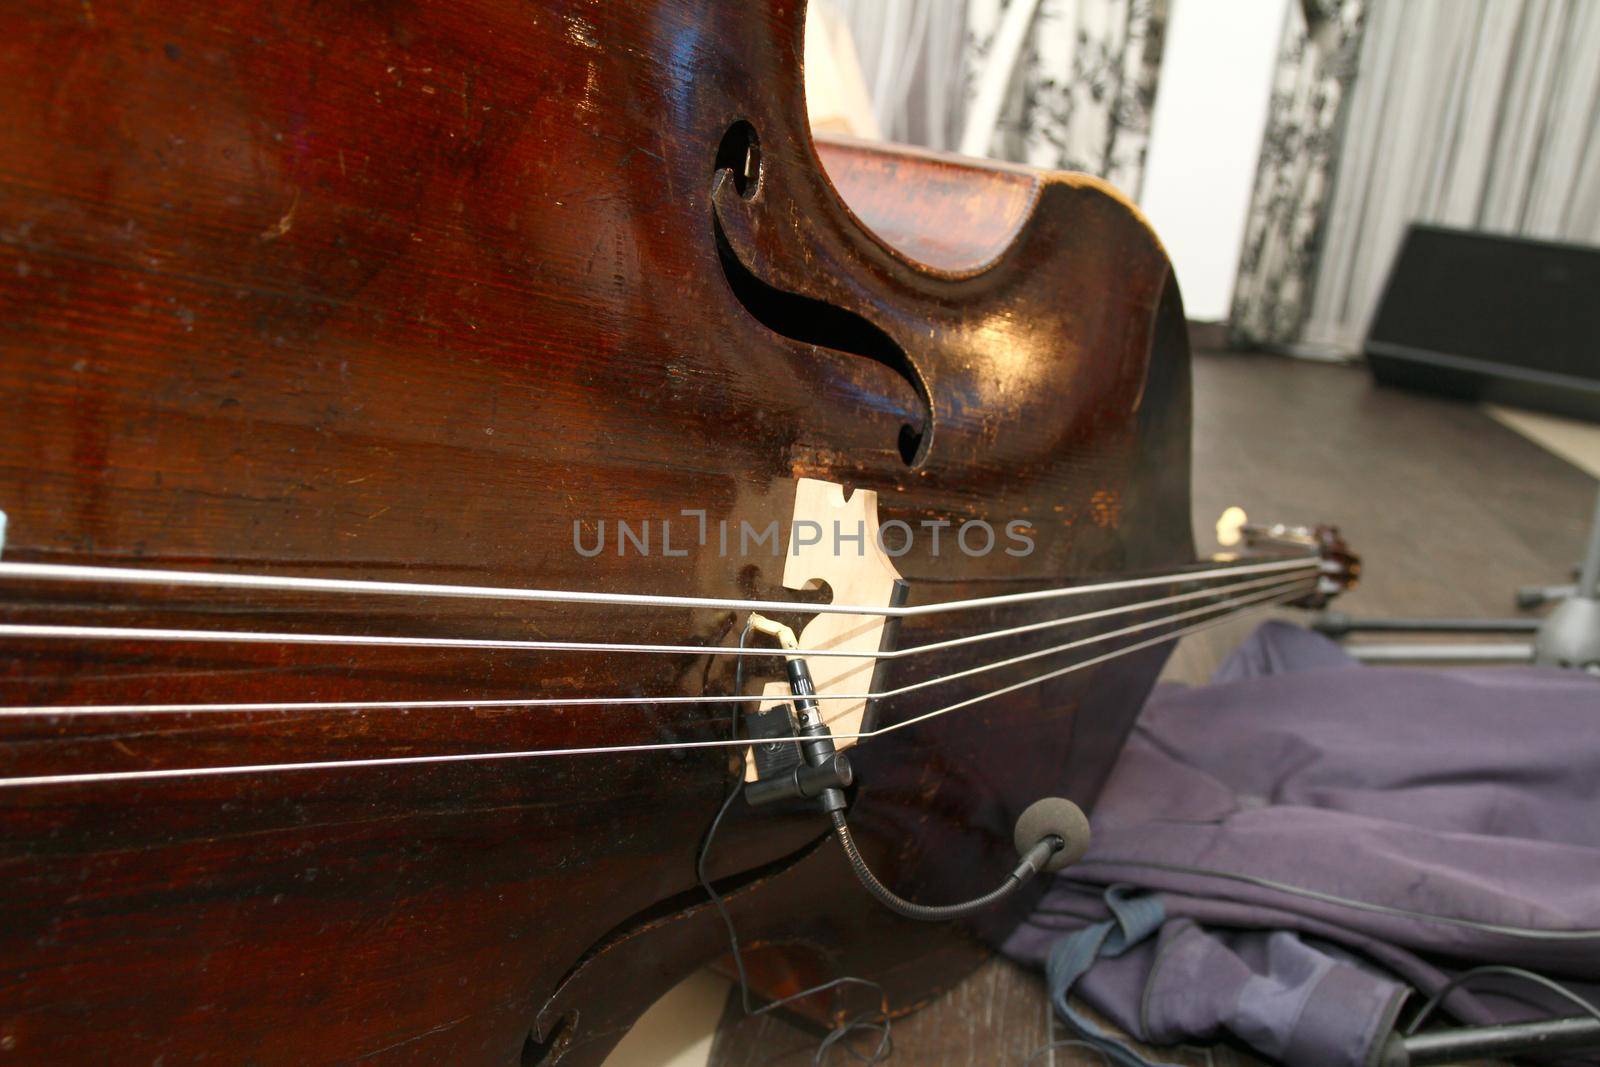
[1039, 178]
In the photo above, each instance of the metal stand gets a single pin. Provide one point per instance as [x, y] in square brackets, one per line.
[1422, 652]
[1510, 1039]
[1337, 624]
[1568, 637]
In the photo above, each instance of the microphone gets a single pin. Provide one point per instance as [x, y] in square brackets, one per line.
[1053, 817]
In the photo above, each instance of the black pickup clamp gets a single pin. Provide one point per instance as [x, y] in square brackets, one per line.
[810, 770]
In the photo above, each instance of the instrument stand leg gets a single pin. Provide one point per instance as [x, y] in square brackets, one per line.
[1537, 596]
[1568, 637]
[1337, 624]
[1422, 652]
[1456, 1044]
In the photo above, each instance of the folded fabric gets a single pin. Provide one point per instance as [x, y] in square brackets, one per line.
[1315, 838]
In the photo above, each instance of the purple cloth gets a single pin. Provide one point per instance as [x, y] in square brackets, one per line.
[1321, 836]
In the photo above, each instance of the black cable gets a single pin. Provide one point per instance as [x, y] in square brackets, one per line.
[910, 909]
[1464, 977]
[875, 1021]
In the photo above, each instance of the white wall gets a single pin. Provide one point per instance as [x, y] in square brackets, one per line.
[1205, 138]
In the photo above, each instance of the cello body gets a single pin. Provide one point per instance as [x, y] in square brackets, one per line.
[429, 292]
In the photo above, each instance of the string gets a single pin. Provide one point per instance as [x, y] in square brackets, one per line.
[884, 694]
[1091, 639]
[68, 572]
[128, 633]
[1274, 582]
[267, 637]
[481, 757]
[1102, 658]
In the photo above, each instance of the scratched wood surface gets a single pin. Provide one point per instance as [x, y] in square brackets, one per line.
[1451, 512]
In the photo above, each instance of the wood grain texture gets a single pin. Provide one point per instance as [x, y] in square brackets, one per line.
[407, 290]
[1451, 511]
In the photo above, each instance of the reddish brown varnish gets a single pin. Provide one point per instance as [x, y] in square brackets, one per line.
[401, 289]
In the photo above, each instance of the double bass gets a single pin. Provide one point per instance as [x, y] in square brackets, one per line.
[382, 383]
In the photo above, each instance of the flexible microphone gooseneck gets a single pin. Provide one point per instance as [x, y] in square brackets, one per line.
[1050, 852]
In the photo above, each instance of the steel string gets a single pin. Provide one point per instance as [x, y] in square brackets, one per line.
[1231, 611]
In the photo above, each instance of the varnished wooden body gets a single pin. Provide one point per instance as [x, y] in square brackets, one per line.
[402, 290]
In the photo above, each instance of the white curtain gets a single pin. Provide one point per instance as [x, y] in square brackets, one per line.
[1482, 114]
[1065, 84]
[914, 61]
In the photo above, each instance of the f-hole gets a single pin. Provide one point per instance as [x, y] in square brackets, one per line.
[803, 318]
[536, 1053]
[740, 154]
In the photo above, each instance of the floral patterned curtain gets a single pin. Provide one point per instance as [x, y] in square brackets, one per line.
[1080, 94]
[1294, 179]
[1479, 114]
[1066, 84]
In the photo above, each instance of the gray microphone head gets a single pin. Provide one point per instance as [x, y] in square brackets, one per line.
[1054, 816]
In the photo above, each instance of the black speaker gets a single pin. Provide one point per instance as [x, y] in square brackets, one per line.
[1485, 317]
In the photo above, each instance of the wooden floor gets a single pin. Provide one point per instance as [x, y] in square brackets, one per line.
[1450, 510]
